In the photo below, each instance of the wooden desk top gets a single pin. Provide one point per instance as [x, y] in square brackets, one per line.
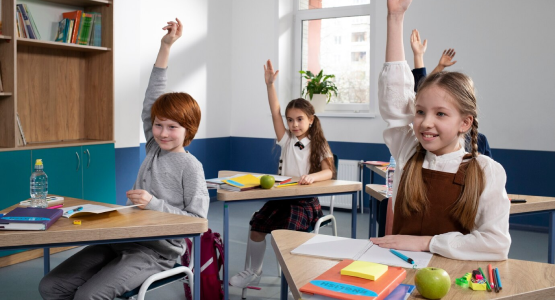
[380, 170]
[322, 187]
[521, 279]
[123, 224]
[375, 190]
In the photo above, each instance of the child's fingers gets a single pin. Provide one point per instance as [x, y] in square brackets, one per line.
[275, 74]
[425, 43]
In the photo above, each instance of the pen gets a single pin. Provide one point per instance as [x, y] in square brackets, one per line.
[498, 279]
[485, 279]
[55, 206]
[494, 279]
[74, 210]
[401, 256]
[285, 181]
[490, 273]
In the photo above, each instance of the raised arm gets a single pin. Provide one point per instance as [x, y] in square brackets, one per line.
[445, 60]
[395, 15]
[270, 77]
[157, 83]
[418, 49]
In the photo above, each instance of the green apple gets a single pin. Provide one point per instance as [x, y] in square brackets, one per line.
[432, 283]
[267, 181]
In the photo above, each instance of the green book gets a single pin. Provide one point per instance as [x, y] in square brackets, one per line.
[85, 29]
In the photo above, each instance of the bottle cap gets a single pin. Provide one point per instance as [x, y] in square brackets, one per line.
[392, 161]
[38, 164]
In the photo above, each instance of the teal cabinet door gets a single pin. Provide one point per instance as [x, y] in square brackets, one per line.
[99, 173]
[15, 171]
[64, 169]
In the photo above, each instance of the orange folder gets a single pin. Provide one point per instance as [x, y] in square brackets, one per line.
[332, 284]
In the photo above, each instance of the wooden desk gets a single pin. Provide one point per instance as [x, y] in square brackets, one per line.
[534, 204]
[126, 225]
[380, 170]
[323, 188]
[521, 279]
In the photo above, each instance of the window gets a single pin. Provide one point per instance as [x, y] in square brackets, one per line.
[319, 28]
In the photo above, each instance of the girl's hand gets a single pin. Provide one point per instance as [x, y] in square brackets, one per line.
[141, 197]
[269, 75]
[175, 30]
[404, 242]
[417, 47]
[446, 57]
[398, 6]
[306, 179]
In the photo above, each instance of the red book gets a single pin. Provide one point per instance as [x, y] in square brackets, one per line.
[30, 218]
[334, 285]
[74, 15]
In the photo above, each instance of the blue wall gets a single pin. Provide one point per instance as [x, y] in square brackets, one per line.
[261, 155]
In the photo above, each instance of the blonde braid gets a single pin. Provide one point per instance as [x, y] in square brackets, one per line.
[474, 138]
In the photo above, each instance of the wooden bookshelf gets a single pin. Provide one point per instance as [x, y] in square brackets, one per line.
[5, 37]
[63, 93]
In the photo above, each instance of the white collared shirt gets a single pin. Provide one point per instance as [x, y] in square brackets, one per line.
[294, 161]
[489, 239]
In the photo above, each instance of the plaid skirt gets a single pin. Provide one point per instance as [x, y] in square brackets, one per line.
[298, 215]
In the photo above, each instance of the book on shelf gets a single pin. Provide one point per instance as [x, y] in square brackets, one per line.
[20, 24]
[27, 23]
[60, 35]
[69, 31]
[96, 35]
[35, 29]
[1, 84]
[76, 17]
[29, 218]
[85, 29]
[24, 141]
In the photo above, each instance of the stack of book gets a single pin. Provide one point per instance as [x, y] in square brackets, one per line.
[25, 23]
[241, 183]
[82, 28]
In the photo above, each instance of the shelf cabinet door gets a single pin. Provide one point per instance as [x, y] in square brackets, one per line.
[99, 173]
[15, 173]
[63, 166]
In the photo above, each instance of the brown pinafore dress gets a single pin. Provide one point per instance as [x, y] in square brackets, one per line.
[443, 190]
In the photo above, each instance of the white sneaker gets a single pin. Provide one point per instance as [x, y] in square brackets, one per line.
[245, 278]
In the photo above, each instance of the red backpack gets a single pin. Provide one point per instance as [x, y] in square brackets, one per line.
[210, 265]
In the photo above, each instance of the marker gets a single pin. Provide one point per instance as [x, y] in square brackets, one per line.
[485, 279]
[403, 257]
[498, 279]
[55, 206]
[490, 273]
[74, 210]
[285, 181]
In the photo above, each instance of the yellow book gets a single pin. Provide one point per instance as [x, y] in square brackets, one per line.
[244, 181]
[364, 269]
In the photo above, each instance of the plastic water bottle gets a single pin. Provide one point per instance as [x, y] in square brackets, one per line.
[39, 186]
[389, 177]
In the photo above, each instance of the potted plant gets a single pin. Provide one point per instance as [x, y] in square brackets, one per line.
[319, 89]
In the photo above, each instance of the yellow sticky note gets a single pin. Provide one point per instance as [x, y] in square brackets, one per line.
[364, 269]
[77, 222]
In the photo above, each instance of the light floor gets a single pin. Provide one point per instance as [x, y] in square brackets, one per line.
[21, 281]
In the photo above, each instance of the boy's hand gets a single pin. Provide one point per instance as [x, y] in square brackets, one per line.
[446, 57]
[175, 30]
[141, 197]
[269, 75]
[306, 179]
[415, 43]
[398, 6]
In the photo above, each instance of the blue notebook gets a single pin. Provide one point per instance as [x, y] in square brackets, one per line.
[401, 292]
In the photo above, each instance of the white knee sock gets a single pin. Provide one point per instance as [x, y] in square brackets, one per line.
[257, 250]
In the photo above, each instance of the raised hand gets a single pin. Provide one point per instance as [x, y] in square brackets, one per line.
[398, 6]
[418, 48]
[446, 58]
[269, 74]
[175, 30]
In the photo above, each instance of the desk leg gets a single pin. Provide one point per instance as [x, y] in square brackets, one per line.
[284, 287]
[373, 215]
[551, 239]
[46, 260]
[354, 216]
[196, 249]
[226, 251]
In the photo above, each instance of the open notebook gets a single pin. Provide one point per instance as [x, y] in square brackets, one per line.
[339, 248]
[87, 209]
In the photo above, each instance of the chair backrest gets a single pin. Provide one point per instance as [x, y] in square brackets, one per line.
[336, 163]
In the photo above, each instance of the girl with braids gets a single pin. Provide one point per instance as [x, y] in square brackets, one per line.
[305, 153]
[445, 200]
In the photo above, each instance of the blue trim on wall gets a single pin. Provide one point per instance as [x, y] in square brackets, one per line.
[261, 155]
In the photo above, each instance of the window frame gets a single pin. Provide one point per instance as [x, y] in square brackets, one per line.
[327, 13]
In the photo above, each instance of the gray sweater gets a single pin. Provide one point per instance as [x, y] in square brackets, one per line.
[175, 180]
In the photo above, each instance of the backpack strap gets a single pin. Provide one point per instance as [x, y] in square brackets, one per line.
[220, 247]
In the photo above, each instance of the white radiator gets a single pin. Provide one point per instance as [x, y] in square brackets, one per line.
[347, 170]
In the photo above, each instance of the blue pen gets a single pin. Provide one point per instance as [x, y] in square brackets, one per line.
[401, 256]
[74, 210]
[498, 278]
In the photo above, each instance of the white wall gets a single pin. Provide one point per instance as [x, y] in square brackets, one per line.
[506, 47]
